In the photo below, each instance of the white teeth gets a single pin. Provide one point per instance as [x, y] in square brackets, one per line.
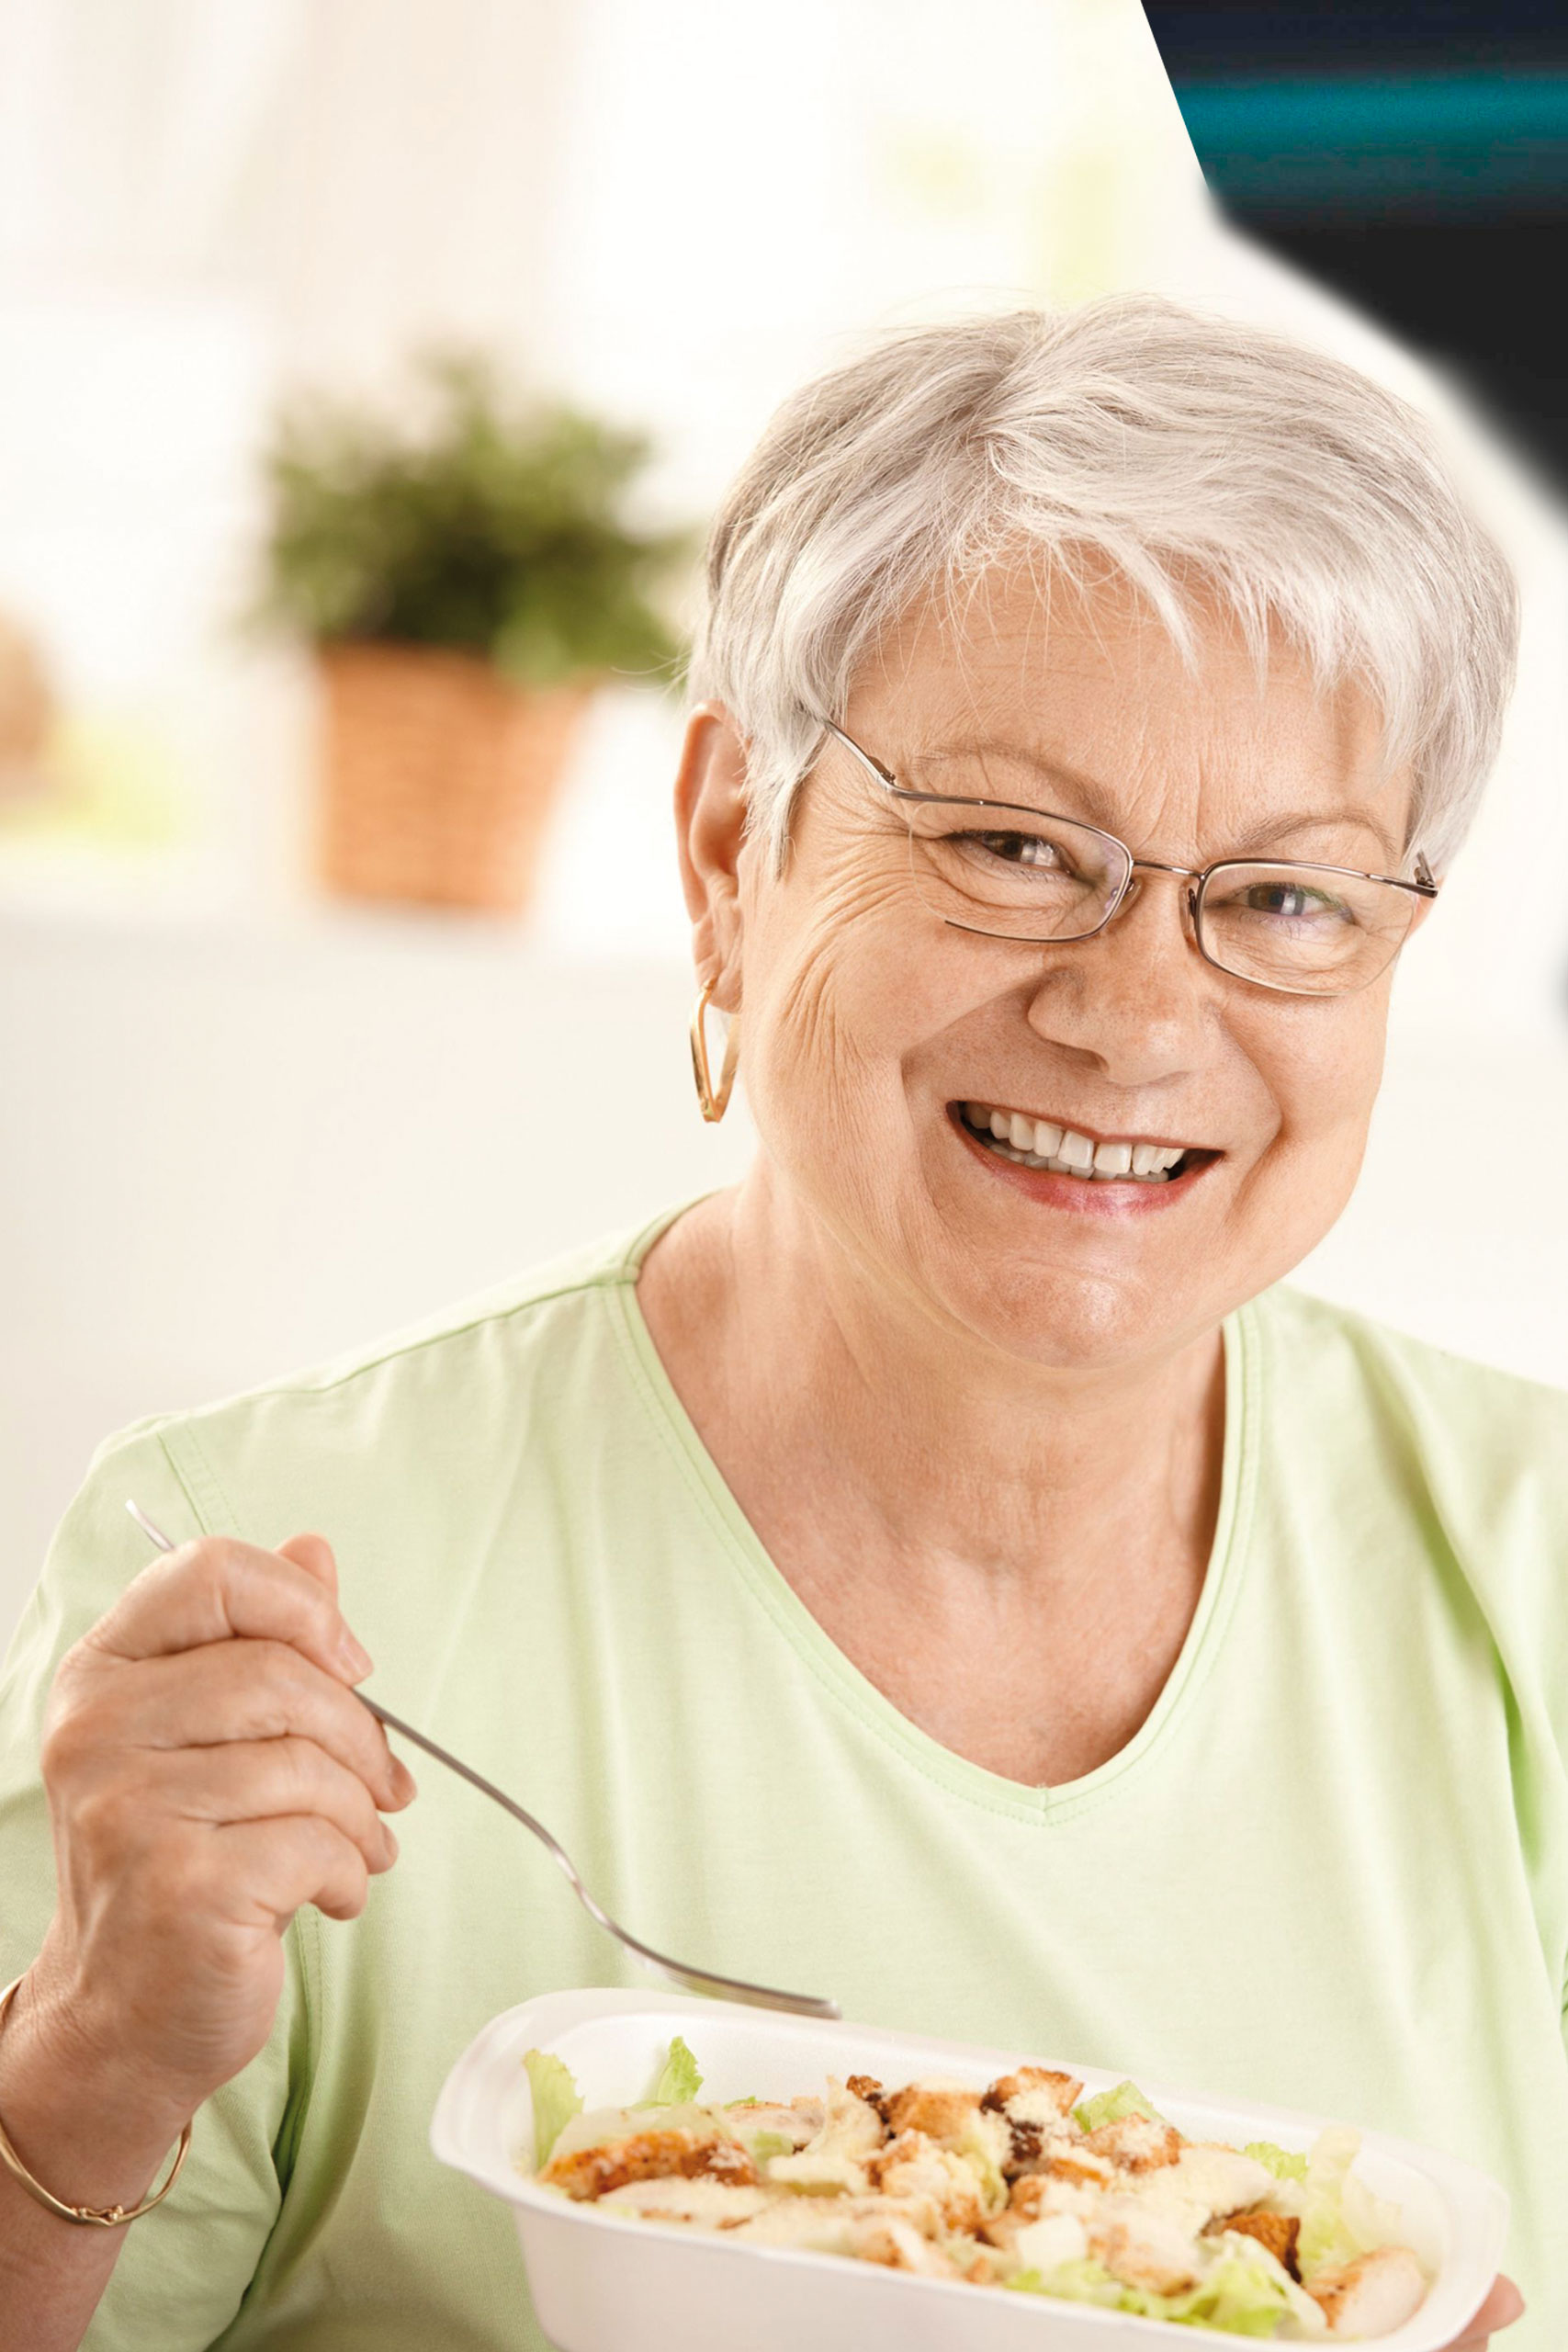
[1037, 1143]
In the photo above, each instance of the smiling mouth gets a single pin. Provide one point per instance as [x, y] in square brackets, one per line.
[1029, 1142]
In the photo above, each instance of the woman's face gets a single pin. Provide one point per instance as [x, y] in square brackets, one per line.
[869, 1023]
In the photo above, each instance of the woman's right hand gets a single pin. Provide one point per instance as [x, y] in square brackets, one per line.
[208, 1770]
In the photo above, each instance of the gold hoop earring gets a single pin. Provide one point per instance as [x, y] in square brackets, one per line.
[713, 1101]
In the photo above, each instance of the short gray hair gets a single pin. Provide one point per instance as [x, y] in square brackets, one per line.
[1187, 452]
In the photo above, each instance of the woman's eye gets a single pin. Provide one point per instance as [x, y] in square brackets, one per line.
[1292, 903]
[1017, 849]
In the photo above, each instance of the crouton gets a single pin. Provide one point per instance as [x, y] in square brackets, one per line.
[592, 2173]
[1371, 2295]
[1278, 2231]
[1035, 2094]
[1030, 2199]
[942, 2111]
[1136, 2142]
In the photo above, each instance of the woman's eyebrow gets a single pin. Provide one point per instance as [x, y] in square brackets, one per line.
[1313, 820]
[1094, 797]
[1051, 772]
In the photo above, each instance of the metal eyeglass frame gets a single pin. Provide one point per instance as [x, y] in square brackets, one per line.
[1200, 878]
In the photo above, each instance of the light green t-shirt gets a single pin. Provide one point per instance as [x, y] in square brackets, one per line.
[1331, 1870]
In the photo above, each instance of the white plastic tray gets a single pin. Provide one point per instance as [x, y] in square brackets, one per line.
[602, 2282]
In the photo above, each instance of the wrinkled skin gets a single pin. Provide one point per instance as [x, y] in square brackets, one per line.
[902, 1360]
[864, 1014]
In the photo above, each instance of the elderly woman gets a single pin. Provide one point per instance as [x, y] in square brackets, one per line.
[946, 1570]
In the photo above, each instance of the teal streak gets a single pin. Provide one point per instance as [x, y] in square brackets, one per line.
[1470, 139]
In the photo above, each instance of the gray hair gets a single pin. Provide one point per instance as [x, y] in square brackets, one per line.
[1186, 452]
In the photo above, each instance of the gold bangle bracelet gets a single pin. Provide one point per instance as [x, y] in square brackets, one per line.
[102, 2217]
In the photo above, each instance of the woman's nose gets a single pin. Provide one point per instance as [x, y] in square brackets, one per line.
[1137, 998]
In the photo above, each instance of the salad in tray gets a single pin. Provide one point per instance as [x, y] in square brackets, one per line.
[1026, 2187]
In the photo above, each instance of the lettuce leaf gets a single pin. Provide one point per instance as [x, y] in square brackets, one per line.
[556, 2100]
[1110, 2106]
[1075, 2282]
[1278, 2160]
[680, 2082]
[1244, 2292]
[1340, 2217]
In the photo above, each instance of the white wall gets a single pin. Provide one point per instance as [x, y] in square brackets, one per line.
[233, 1148]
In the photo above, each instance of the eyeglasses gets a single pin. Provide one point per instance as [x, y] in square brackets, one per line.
[1013, 872]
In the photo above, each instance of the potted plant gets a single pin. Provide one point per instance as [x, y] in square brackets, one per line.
[466, 580]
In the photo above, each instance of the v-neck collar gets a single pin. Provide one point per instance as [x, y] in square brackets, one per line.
[842, 1680]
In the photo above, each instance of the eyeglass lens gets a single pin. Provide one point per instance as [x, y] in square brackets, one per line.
[1308, 930]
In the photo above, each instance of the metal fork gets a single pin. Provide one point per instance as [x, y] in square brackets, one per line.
[696, 1980]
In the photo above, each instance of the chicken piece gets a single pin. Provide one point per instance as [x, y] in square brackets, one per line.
[1055, 2239]
[1280, 2233]
[1035, 2094]
[1373, 2295]
[913, 2165]
[1043, 2192]
[866, 2086]
[1136, 2143]
[1066, 2155]
[797, 2122]
[589, 2174]
[830, 2224]
[896, 2244]
[1039, 2197]
[1143, 2247]
[833, 2159]
[709, 2204]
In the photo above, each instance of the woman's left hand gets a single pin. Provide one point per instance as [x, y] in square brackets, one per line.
[1503, 2306]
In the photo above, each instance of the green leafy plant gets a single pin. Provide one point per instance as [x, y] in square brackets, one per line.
[492, 527]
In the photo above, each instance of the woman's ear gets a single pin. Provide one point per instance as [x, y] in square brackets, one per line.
[710, 826]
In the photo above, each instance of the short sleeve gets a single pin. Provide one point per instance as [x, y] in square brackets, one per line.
[184, 2267]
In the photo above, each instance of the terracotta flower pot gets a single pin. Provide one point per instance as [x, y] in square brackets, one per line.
[26, 714]
[439, 775]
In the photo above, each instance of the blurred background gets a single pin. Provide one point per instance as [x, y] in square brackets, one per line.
[368, 369]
